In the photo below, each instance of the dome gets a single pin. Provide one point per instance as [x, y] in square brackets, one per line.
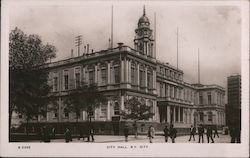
[143, 19]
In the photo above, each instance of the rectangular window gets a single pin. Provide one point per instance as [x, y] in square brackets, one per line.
[103, 111]
[201, 99]
[66, 82]
[133, 75]
[141, 78]
[176, 114]
[210, 116]
[209, 98]
[103, 76]
[77, 77]
[91, 77]
[117, 75]
[148, 78]
[181, 114]
[55, 84]
[77, 80]
[55, 114]
[161, 89]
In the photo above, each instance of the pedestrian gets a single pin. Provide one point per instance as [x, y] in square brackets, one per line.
[151, 133]
[166, 133]
[53, 133]
[91, 134]
[216, 132]
[172, 133]
[192, 133]
[135, 129]
[209, 134]
[201, 132]
[68, 136]
[233, 134]
[126, 133]
[46, 135]
[80, 133]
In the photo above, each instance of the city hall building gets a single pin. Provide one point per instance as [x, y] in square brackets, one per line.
[124, 72]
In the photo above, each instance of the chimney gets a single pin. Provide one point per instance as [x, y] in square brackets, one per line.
[87, 48]
[72, 53]
[120, 44]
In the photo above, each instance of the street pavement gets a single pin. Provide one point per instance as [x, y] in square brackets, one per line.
[144, 139]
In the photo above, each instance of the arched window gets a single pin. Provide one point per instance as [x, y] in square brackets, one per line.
[116, 108]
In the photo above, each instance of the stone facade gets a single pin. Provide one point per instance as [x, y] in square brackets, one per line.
[123, 72]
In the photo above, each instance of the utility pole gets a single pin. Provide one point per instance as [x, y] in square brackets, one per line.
[155, 34]
[78, 40]
[111, 40]
[199, 65]
[177, 49]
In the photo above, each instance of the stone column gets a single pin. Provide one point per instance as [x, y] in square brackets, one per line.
[84, 115]
[168, 114]
[138, 74]
[122, 102]
[129, 71]
[109, 73]
[96, 74]
[174, 114]
[146, 77]
[154, 79]
[108, 111]
[179, 114]
[122, 70]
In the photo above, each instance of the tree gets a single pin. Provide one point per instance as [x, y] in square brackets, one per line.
[84, 97]
[29, 91]
[136, 110]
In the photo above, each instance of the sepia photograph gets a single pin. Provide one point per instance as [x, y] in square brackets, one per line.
[124, 76]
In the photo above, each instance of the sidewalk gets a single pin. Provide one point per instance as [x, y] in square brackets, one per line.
[143, 139]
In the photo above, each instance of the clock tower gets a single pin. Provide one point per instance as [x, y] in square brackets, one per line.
[144, 42]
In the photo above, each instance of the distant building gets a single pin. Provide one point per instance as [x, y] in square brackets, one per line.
[234, 101]
[124, 72]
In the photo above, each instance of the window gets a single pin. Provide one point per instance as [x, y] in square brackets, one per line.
[133, 75]
[149, 81]
[77, 77]
[161, 89]
[55, 114]
[116, 109]
[175, 92]
[171, 91]
[176, 114]
[117, 75]
[181, 114]
[103, 76]
[66, 82]
[209, 97]
[103, 111]
[91, 77]
[66, 112]
[201, 116]
[201, 99]
[166, 90]
[210, 116]
[55, 84]
[141, 78]
[20, 116]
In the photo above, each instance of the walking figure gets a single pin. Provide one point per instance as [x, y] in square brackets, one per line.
[200, 133]
[172, 133]
[46, 135]
[166, 133]
[192, 133]
[126, 133]
[68, 136]
[53, 133]
[209, 134]
[216, 132]
[151, 133]
[91, 133]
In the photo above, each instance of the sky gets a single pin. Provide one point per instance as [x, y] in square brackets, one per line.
[215, 30]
